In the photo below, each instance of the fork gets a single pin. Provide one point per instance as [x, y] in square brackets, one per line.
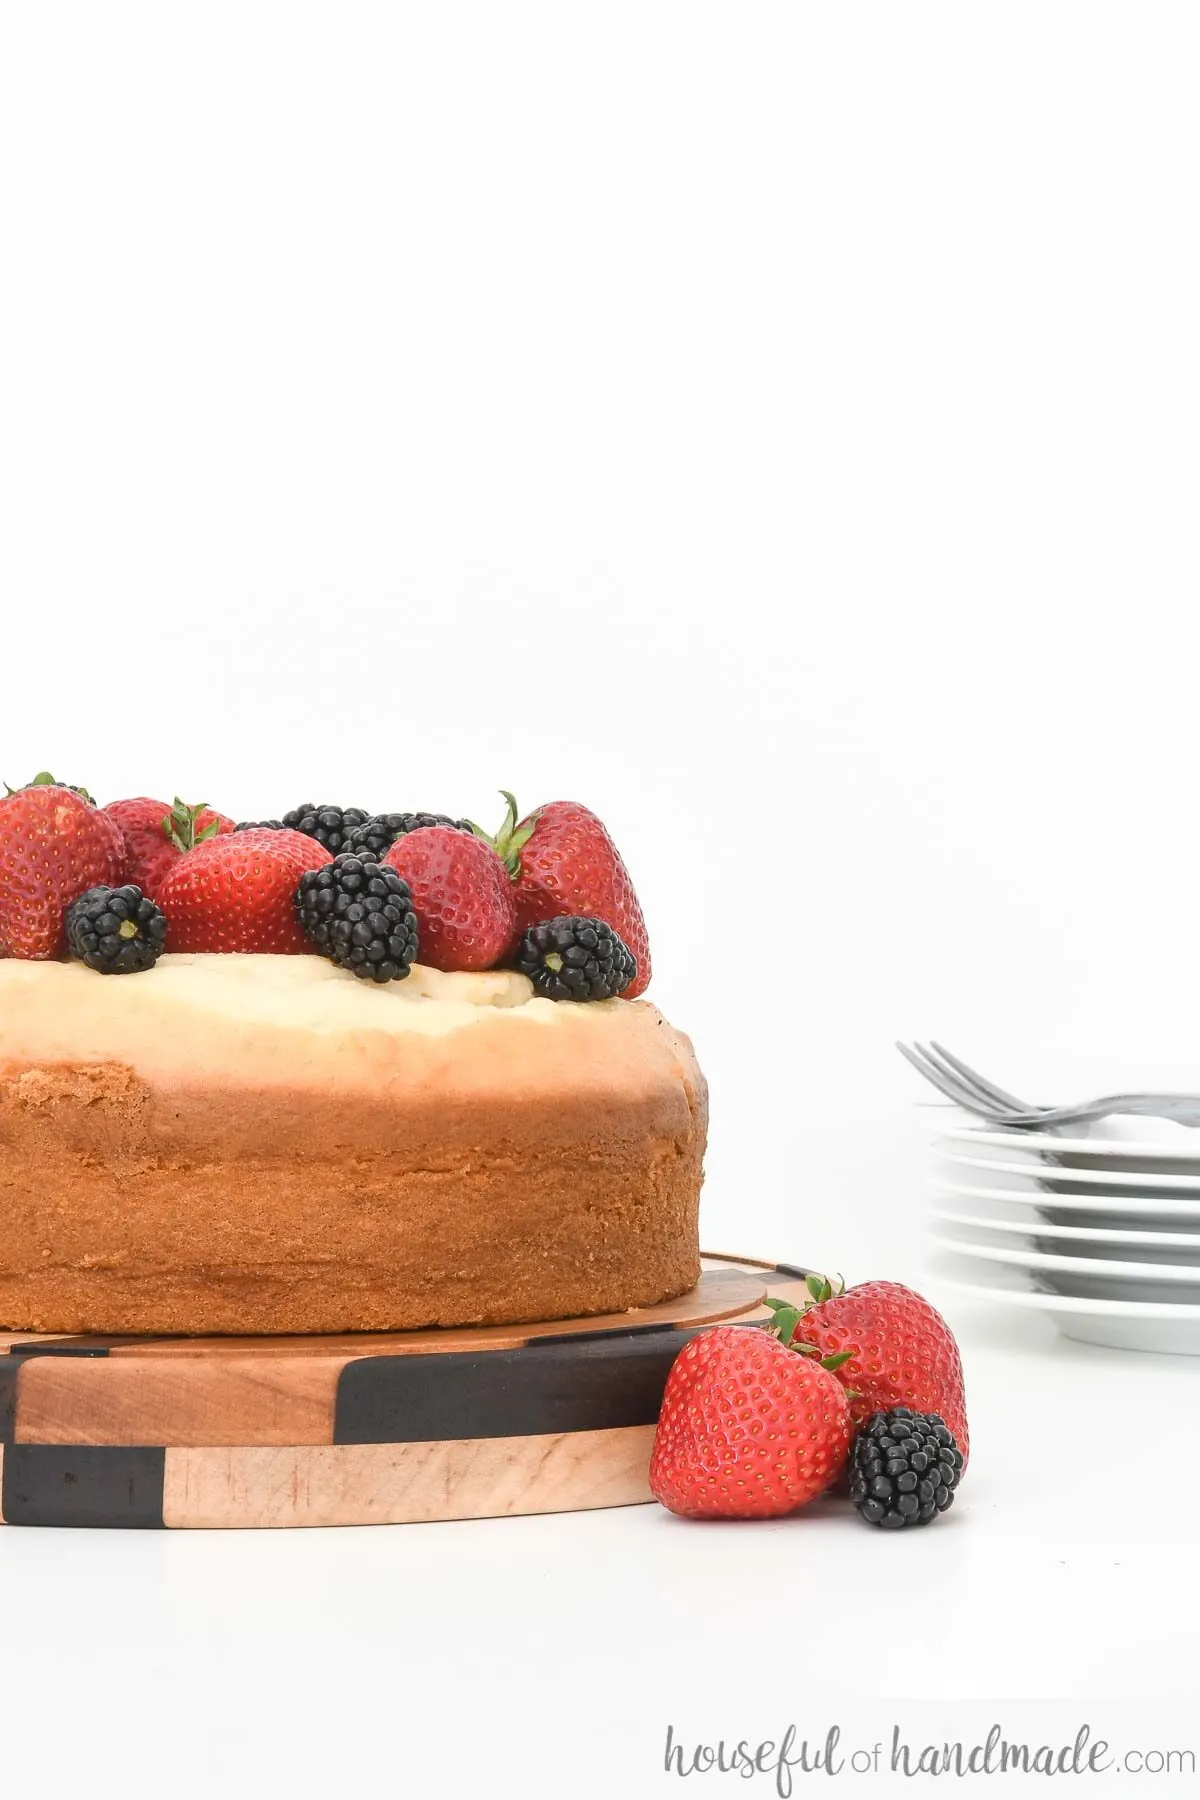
[976, 1094]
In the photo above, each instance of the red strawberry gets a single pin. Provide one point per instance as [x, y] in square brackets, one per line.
[462, 896]
[898, 1350]
[53, 846]
[748, 1428]
[237, 892]
[565, 864]
[157, 835]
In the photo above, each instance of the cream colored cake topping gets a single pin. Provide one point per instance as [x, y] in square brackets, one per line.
[273, 1018]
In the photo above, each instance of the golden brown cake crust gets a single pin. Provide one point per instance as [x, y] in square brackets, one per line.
[513, 1167]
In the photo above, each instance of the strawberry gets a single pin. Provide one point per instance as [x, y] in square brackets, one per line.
[462, 896]
[237, 892]
[565, 865]
[897, 1350]
[748, 1429]
[45, 779]
[157, 835]
[53, 846]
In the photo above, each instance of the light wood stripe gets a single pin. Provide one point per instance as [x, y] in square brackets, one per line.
[391, 1484]
[164, 1400]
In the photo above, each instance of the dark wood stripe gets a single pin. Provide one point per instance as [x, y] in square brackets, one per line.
[593, 1384]
[9, 1372]
[67, 1346]
[52, 1484]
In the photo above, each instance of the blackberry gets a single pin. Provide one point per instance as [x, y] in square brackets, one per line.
[576, 959]
[904, 1468]
[359, 913]
[328, 824]
[261, 825]
[380, 832]
[116, 931]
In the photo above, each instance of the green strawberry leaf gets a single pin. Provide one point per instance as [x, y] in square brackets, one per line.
[179, 826]
[835, 1362]
[45, 779]
[784, 1322]
[509, 841]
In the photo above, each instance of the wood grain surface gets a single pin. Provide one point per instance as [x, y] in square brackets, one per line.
[369, 1429]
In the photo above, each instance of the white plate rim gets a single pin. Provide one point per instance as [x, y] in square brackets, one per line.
[1183, 1274]
[1042, 1143]
[1112, 1203]
[1072, 1234]
[1071, 1303]
[1184, 1184]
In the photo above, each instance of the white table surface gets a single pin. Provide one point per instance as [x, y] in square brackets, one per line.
[548, 1655]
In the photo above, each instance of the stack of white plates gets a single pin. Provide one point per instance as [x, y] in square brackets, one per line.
[1100, 1230]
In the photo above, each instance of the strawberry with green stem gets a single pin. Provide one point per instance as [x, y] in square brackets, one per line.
[893, 1348]
[749, 1428]
[157, 835]
[564, 864]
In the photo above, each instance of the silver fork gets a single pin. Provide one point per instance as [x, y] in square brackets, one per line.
[974, 1093]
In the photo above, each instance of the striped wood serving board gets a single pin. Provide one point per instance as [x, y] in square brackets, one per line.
[358, 1430]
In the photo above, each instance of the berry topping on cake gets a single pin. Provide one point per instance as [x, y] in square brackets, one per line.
[575, 959]
[564, 864]
[237, 892]
[116, 931]
[360, 913]
[157, 835]
[45, 779]
[329, 825]
[462, 895]
[898, 1351]
[380, 832]
[748, 1428]
[53, 846]
[904, 1468]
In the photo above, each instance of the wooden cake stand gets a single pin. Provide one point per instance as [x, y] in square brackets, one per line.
[375, 1429]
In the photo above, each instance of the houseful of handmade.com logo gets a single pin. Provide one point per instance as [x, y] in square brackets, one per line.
[781, 1762]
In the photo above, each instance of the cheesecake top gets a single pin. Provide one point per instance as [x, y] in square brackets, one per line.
[270, 1021]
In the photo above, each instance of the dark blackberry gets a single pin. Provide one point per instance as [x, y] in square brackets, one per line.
[904, 1468]
[261, 825]
[576, 959]
[359, 913]
[328, 824]
[116, 931]
[380, 832]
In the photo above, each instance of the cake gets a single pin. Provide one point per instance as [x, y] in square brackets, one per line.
[254, 1144]
[232, 1140]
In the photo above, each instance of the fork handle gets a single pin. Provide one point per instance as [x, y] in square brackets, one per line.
[1181, 1109]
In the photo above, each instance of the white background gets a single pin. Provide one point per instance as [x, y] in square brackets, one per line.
[773, 426]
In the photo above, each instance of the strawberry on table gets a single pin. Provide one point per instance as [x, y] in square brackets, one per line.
[564, 864]
[53, 846]
[898, 1351]
[157, 835]
[749, 1429]
[462, 896]
[237, 892]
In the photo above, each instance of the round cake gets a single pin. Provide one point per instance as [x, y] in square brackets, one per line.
[264, 1144]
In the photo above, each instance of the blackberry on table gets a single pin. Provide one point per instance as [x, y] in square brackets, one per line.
[378, 833]
[116, 931]
[904, 1468]
[329, 825]
[576, 959]
[359, 913]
